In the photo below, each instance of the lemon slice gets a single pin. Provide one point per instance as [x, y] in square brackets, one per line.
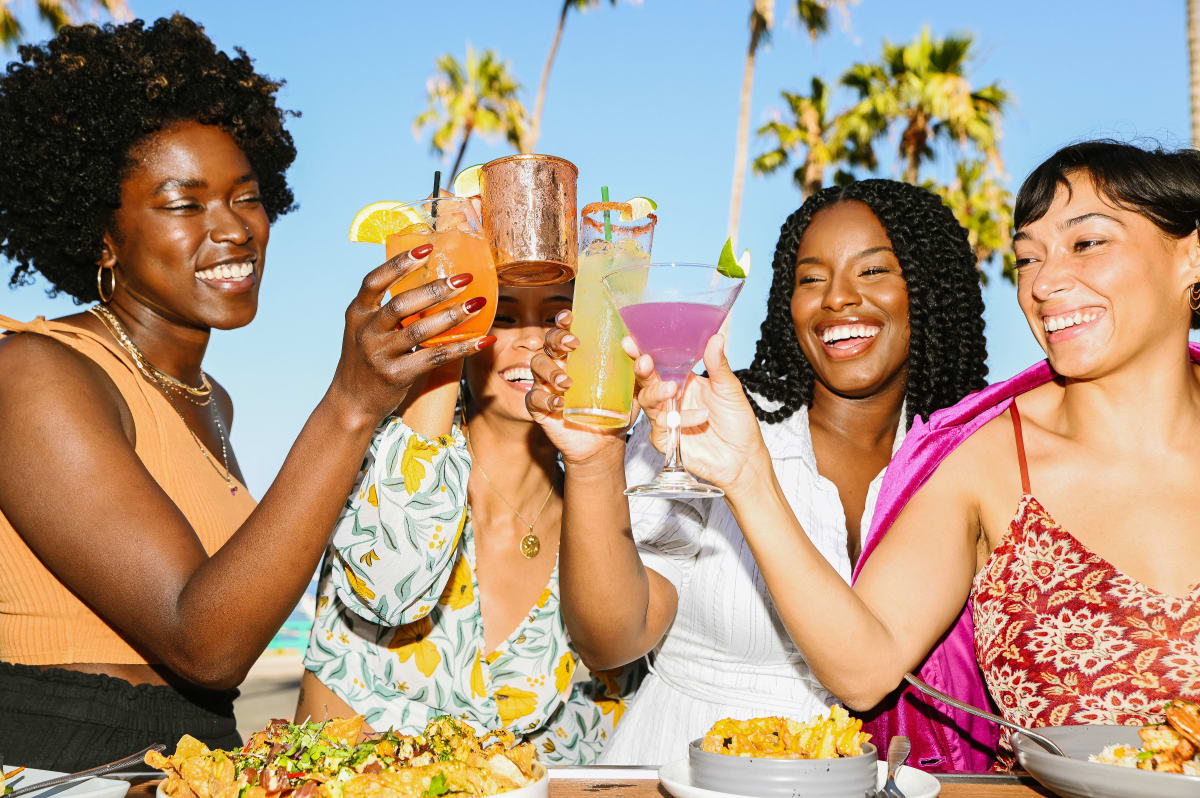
[639, 208]
[466, 183]
[731, 266]
[374, 223]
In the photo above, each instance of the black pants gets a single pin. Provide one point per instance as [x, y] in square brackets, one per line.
[56, 719]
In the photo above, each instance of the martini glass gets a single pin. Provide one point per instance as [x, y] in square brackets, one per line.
[671, 310]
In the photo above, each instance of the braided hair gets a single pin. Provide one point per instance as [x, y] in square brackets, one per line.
[74, 110]
[947, 351]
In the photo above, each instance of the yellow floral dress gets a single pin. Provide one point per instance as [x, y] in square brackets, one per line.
[399, 635]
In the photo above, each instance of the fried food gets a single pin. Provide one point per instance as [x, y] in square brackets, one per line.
[821, 737]
[329, 760]
[1171, 747]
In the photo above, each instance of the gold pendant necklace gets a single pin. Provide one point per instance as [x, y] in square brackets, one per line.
[531, 544]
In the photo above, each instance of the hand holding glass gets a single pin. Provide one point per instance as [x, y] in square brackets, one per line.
[453, 226]
[671, 310]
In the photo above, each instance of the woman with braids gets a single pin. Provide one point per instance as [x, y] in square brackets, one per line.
[138, 580]
[1059, 506]
[874, 317]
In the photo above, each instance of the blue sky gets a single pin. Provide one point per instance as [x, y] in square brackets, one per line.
[644, 99]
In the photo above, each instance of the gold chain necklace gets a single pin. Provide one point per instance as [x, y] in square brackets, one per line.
[531, 544]
[197, 396]
[110, 322]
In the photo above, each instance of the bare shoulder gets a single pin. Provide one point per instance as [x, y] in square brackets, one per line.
[41, 378]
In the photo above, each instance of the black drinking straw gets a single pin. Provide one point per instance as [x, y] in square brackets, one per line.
[437, 186]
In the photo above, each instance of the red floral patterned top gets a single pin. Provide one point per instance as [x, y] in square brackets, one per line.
[1063, 637]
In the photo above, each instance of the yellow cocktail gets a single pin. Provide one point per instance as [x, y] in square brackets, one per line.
[601, 392]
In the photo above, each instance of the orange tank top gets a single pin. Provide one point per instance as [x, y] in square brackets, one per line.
[41, 621]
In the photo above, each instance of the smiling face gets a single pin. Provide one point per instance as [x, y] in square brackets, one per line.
[190, 236]
[499, 376]
[850, 302]
[1099, 284]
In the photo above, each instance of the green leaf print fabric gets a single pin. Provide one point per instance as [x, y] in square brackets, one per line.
[399, 633]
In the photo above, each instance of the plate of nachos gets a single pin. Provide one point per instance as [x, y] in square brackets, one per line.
[333, 759]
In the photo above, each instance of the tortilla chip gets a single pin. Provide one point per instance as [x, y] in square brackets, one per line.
[344, 730]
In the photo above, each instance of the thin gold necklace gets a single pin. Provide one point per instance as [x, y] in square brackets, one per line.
[109, 320]
[197, 396]
[531, 544]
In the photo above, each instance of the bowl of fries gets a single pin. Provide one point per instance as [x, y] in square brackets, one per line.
[827, 756]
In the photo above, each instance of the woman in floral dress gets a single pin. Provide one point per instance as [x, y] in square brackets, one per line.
[439, 591]
[1059, 506]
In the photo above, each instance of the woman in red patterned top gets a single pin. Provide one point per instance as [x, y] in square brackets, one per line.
[1068, 522]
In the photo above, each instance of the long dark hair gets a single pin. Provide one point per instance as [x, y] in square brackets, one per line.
[947, 349]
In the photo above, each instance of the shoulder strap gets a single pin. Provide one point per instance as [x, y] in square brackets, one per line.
[1016, 421]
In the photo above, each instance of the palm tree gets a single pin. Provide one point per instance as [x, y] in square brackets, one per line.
[984, 207]
[825, 142]
[923, 86]
[55, 13]
[814, 16]
[567, 6]
[481, 97]
[1193, 34]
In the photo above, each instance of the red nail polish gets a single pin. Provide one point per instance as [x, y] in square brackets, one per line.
[474, 304]
[459, 280]
[485, 342]
[421, 251]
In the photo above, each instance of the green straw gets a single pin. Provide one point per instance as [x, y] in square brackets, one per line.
[607, 224]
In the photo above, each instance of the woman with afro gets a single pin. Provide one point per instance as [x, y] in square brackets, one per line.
[874, 318]
[142, 169]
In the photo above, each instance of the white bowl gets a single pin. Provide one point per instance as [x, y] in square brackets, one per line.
[1076, 777]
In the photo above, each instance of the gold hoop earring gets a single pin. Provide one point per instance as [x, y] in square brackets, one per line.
[100, 283]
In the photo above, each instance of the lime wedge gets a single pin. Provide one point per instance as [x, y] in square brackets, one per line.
[466, 182]
[730, 266]
[374, 223]
[639, 208]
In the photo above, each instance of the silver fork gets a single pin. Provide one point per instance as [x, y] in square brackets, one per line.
[100, 770]
[898, 751]
[1040, 739]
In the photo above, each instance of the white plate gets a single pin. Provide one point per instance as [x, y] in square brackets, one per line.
[539, 789]
[912, 782]
[92, 788]
[1078, 778]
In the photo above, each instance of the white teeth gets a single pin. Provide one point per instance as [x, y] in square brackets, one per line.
[517, 374]
[1056, 323]
[844, 331]
[231, 271]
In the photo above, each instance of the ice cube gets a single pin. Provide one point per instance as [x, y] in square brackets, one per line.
[597, 247]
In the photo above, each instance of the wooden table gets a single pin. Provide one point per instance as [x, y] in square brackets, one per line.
[952, 787]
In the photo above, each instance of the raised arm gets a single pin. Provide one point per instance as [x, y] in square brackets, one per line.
[616, 609]
[858, 641]
[78, 494]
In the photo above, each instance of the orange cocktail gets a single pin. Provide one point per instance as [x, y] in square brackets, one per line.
[452, 225]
